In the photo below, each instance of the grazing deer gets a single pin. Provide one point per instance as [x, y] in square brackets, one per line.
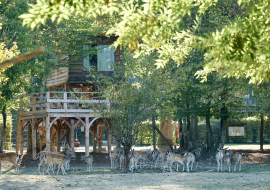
[236, 159]
[88, 160]
[219, 157]
[59, 159]
[10, 157]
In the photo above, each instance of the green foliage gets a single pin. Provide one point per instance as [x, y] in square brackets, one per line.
[241, 48]
[238, 47]
[7, 139]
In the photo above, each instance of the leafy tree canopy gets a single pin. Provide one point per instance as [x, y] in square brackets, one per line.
[237, 50]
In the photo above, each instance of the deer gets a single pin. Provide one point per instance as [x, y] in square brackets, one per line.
[190, 158]
[145, 157]
[158, 157]
[88, 160]
[43, 163]
[134, 159]
[59, 159]
[113, 157]
[121, 160]
[236, 159]
[171, 158]
[219, 157]
[10, 157]
[227, 162]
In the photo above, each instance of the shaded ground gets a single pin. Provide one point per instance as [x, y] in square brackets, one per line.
[255, 174]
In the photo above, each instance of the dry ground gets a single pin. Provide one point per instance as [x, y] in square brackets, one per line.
[255, 174]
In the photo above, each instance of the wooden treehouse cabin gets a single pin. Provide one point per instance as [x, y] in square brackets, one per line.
[55, 113]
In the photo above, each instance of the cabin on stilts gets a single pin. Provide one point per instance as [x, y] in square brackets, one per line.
[55, 112]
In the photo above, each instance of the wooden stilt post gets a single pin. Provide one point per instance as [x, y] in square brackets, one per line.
[58, 136]
[87, 136]
[109, 141]
[99, 138]
[48, 134]
[72, 135]
[94, 136]
[34, 140]
[18, 133]
[21, 137]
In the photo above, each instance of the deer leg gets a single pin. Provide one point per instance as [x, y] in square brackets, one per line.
[47, 170]
[221, 165]
[187, 166]
[63, 170]
[58, 169]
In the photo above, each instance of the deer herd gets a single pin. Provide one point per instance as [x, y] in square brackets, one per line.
[165, 160]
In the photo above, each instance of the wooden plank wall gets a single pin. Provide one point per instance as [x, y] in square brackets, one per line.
[59, 76]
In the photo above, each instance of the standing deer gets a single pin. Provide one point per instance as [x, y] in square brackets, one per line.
[219, 157]
[227, 162]
[171, 158]
[113, 157]
[10, 157]
[59, 159]
[43, 163]
[236, 159]
[88, 160]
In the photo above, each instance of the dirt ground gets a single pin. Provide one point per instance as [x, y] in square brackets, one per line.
[255, 174]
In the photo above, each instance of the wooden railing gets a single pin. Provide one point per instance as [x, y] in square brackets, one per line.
[60, 102]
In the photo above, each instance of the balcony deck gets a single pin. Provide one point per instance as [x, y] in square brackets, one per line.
[60, 104]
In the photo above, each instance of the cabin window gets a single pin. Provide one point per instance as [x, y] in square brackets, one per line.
[90, 61]
[105, 58]
[102, 61]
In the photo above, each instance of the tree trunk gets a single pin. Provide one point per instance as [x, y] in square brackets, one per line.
[185, 132]
[181, 136]
[4, 128]
[209, 134]
[154, 131]
[193, 132]
[261, 132]
[223, 120]
[166, 130]
[126, 153]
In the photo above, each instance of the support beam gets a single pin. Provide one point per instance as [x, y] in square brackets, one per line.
[71, 138]
[48, 134]
[21, 137]
[87, 136]
[94, 136]
[58, 136]
[34, 140]
[109, 141]
[100, 130]
[18, 133]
